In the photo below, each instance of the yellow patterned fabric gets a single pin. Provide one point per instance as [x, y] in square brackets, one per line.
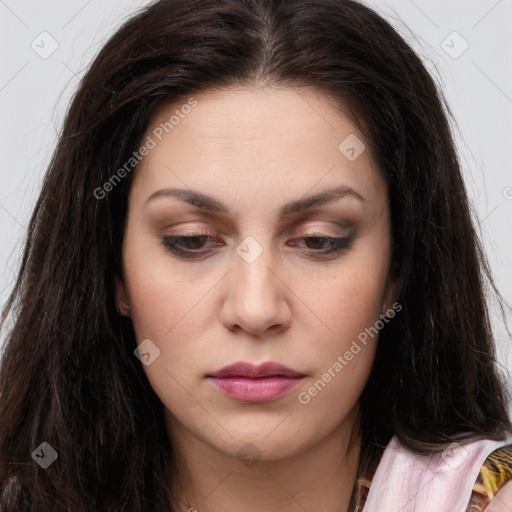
[495, 472]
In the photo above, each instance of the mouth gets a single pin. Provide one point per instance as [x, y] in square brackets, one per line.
[249, 383]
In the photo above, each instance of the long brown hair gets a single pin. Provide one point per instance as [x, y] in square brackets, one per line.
[69, 376]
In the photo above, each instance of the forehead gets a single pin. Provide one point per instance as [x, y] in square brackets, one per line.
[276, 116]
[240, 137]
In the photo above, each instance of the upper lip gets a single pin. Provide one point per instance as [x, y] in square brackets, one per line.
[251, 371]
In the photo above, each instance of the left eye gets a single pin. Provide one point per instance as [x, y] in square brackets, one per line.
[321, 243]
[191, 245]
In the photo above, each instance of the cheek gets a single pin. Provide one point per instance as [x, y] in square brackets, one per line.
[347, 302]
[163, 298]
[343, 354]
[348, 298]
[168, 311]
[173, 310]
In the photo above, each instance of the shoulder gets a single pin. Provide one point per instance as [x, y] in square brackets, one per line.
[492, 491]
[502, 501]
[461, 478]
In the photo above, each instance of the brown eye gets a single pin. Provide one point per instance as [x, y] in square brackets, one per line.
[326, 244]
[186, 245]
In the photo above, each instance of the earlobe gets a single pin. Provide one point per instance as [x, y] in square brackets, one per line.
[122, 301]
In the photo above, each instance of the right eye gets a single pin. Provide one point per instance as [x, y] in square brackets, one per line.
[186, 246]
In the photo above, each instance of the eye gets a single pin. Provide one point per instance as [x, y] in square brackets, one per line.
[186, 245]
[191, 246]
[325, 244]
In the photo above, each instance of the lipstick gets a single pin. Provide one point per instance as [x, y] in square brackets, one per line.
[250, 383]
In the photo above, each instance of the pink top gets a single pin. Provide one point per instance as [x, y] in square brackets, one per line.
[442, 482]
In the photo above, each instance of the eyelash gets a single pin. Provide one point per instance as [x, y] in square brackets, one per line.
[337, 244]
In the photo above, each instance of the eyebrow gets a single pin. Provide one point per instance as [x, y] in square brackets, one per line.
[206, 202]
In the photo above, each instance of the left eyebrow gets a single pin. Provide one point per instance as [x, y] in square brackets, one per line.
[209, 203]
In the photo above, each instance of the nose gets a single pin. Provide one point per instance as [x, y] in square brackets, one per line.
[256, 295]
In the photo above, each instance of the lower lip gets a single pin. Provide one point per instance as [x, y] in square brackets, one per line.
[255, 390]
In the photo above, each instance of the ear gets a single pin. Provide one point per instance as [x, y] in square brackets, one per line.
[391, 294]
[122, 301]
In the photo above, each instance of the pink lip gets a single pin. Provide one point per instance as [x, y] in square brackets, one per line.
[255, 384]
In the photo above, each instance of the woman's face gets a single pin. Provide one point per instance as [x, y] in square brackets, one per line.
[259, 282]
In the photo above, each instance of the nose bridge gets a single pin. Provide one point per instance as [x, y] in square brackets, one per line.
[253, 296]
[253, 267]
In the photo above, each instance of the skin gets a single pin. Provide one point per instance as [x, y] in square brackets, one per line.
[502, 501]
[255, 149]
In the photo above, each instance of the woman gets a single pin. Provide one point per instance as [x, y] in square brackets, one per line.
[251, 280]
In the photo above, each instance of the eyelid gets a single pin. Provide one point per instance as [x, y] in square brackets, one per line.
[344, 218]
[320, 233]
[296, 233]
[316, 227]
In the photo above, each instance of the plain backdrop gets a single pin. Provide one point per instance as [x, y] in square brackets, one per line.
[466, 45]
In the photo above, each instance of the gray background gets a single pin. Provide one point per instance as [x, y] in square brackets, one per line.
[46, 46]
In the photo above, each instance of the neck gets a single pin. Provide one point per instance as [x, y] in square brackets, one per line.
[319, 477]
